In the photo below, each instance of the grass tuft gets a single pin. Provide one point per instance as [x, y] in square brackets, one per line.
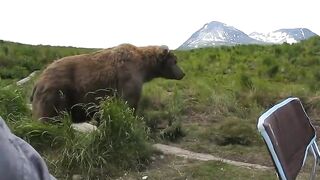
[120, 143]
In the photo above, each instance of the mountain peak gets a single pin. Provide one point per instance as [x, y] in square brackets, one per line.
[292, 35]
[216, 25]
[216, 33]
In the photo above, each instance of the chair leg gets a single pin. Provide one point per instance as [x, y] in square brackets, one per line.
[315, 151]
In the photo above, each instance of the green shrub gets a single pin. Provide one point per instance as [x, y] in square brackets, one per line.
[119, 143]
[173, 131]
[235, 131]
[12, 103]
[43, 136]
[246, 81]
[162, 114]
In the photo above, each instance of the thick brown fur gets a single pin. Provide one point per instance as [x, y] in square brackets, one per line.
[73, 80]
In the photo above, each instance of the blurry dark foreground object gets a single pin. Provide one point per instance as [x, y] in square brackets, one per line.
[289, 135]
[18, 159]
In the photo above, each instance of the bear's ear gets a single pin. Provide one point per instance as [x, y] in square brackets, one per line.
[164, 52]
[164, 47]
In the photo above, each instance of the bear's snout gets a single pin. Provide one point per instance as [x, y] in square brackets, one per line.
[182, 74]
[178, 73]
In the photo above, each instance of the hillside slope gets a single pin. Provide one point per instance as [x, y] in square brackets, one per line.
[18, 60]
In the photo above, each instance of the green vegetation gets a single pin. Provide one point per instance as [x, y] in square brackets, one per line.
[180, 169]
[214, 109]
[12, 103]
[120, 143]
[19, 60]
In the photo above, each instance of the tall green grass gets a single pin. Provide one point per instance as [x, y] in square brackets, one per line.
[120, 143]
[12, 103]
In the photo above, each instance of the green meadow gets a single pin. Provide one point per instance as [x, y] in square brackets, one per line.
[213, 110]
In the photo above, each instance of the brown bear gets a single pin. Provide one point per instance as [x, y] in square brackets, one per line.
[81, 79]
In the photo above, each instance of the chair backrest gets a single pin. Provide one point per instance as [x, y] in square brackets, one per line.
[289, 134]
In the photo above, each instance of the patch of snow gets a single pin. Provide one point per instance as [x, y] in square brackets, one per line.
[221, 35]
[277, 37]
[208, 37]
[291, 40]
[304, 37]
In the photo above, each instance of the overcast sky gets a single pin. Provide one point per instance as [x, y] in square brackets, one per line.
[105, 23]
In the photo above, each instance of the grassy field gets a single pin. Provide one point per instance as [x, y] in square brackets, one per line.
[214, 110]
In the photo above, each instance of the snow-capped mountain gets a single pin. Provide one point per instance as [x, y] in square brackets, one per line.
[217, 33]
[284, 35]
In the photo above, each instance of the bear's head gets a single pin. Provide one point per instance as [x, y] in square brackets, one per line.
[168, 65]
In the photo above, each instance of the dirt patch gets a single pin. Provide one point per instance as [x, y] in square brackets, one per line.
[204, 157]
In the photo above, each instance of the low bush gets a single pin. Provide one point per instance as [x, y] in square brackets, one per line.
[12, 103]
[235, 132]
[120, 141]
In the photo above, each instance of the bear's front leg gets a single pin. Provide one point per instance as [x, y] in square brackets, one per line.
[131, 92]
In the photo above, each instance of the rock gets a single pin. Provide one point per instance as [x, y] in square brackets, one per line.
[77, 177]
[24, 80]
[84, 127]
